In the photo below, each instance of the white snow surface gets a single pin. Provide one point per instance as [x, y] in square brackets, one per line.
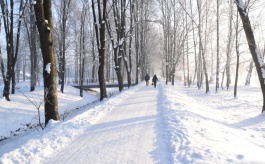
[167, 124]
[48, 66]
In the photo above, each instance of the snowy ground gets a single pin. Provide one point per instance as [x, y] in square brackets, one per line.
[167, 124]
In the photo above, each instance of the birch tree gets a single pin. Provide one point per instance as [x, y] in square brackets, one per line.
[229, 45]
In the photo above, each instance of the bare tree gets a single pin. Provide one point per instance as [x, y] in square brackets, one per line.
[128, 58]
[201, 49]
[100, 23]
[82, 50]
[217, 48]
[31, 30]
[250, 68]
[43, 13]
[237, 56]
[63, 15]
[187, 45]
[11, 47]
[229, 45]
[257, 57]
[118, 44]
[137, 40]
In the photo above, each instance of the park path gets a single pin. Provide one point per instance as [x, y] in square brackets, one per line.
[127, 134]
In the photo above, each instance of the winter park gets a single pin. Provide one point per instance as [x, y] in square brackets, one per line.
[132, 82]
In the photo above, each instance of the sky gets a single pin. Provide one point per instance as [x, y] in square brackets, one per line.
[143, 124]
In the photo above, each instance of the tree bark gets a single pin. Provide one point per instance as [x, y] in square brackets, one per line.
[217, 50]
[257, 57]
[137, 65]
[94, 62]
[100, 37]
[82, 52]
[118, 45]
[237, 57]
[43, 13]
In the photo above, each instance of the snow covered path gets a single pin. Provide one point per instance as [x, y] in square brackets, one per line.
[163, 125]
[128, 132]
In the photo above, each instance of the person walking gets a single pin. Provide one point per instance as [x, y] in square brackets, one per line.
[147, 78]
[154, 80]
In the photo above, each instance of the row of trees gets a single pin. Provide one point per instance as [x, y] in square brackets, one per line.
[106, 37]
[205, 40]
[125, 39]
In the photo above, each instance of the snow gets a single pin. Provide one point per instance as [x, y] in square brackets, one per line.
[241, 4]
[143, 124]
[48, 68]
[121, 41]
[261, 62]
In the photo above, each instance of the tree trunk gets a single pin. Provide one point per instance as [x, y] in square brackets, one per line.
[184, 72]
[76, 63]
[223, 76]
[237, 57]
[136, 20]
[13, 81]
[251, 65]
[43, 13]
[217, 51]
[229, 46]
[194, 45]
[82, 52]
[100, 37]
[94, 61]
[187, 45]
[108, 62]
[202, 50]
[33, 50]
[252, 46]
[66, 9]
[129, 65]
[118, 46]
[24, 67]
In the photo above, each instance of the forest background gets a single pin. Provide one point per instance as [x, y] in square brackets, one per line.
[196, 41]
